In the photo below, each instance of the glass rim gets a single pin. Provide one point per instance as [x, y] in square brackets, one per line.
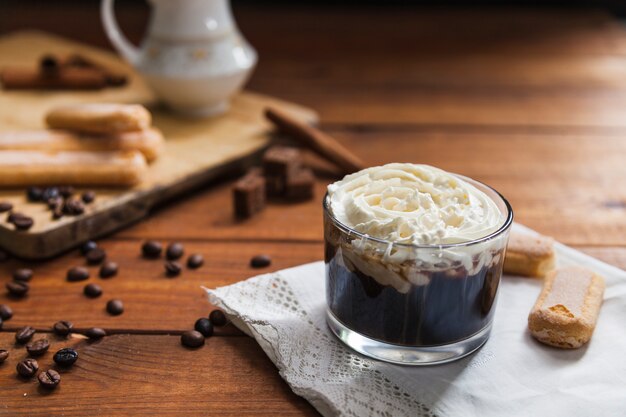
[505, 226]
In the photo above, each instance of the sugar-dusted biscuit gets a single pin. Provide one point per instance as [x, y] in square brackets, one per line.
[148, 141]
[529, 255]
[120, 168]
[566, 311]
[100, 117]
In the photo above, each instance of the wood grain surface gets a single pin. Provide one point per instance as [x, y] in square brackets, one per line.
[531, 102]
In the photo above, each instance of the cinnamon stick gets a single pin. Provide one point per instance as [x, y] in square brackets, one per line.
[316, 140]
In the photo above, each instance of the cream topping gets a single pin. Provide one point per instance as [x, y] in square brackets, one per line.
[416, 204]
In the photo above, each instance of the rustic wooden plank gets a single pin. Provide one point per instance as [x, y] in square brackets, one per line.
[151, 376]
[541, 174]
[152, 301]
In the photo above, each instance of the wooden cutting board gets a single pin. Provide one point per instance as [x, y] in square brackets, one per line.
[196, 150]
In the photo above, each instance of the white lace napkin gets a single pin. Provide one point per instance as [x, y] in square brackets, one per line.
[512, 375]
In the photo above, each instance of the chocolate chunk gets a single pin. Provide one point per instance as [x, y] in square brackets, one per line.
[77, 273]
[4, 354]
[172, 268]
[95, 256]
[17, 288]
[95, 333]
[218, 318]
[34, 194]
[204, 326]
[65, 357]
[300, 186]
[192, 339]
[5, 206]
[27, 368]
[6, 312]
[89, 197]
[174, 251]
[23, 222]
[260, 261]
[151, 249]
[115, 307]
[62, 327]
[249, 195]
[49, 379]
[109, 269]
[281, 161]
[73, 206]
[92, 290]
[22, 274]
[195, 261]
[24, 334]
[88, 246]
[38, 347]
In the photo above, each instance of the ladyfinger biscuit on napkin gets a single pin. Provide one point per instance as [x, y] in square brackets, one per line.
[120, 168]
[529, 255]
[148, 141]
[566, 311]
[100, 117]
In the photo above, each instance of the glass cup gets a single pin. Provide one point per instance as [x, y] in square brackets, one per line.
[413, 304]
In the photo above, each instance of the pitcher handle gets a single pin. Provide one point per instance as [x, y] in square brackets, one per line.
[117, 38]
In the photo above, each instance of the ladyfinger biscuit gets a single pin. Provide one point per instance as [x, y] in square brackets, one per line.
[566, 311]
[120, 168]
[528, 255]
[148, 141]
[100, 117]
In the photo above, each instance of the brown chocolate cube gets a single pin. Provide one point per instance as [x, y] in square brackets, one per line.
[281, 162]
[300, 186]
[249, 194]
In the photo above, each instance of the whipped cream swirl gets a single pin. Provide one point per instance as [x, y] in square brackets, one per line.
[416, 204]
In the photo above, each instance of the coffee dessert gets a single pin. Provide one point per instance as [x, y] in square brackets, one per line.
[413, 256]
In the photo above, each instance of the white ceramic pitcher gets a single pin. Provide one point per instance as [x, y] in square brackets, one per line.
[193, 57]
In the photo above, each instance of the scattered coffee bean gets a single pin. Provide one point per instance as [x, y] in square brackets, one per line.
[49, 379]
[55, 203]
[23, 222]
[4, 354]
[4, 256]
[92, 290]
[34, 194]
[38, 347]
[108, 270]
[6, 312]
[50, 192]
[174, 251]
[195, 261]
[62, 328]
[5, 206]
[218, 318]
[66, 191]
[95, 256]
[17, 288]
[57, 213]
[151, 249]
[22, 274]
[89, 196]
[260, 261]
[192, 339]
[24, 334]
[77, 273]
[115, 307]
[204, 326]
[74, 206]
[95, 333]
[14, 215]
[88, 246]
[27, 367]
[65, 357]
[172, 268]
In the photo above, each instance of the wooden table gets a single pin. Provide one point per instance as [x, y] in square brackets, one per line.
[530, 102]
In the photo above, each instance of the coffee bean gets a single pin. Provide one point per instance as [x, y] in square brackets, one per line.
[66, 191]
[73, 206]
[5, 206]
[77, 273]
[15, 215]
[151, 249]
[49, 379]
[108, 270]
[192, 339]
[6, 312]
[95, 256]
[34, 194]
[89, 196]
[65, 357]
[55, 203]
[260, 261]
[27, 367]
[95, 333]
[195, 261]
[57, 213]
[174, 251]
[23, 223]
[24, 334]
[172, 268]
[38, 347]
[22, 274]
[4, 256]
[50, 192]
[115, 307]
[4, 354]
[218, 318]
[204, 326]
[92, 290]
[88, 246]
[17, 288]
[62, 328]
